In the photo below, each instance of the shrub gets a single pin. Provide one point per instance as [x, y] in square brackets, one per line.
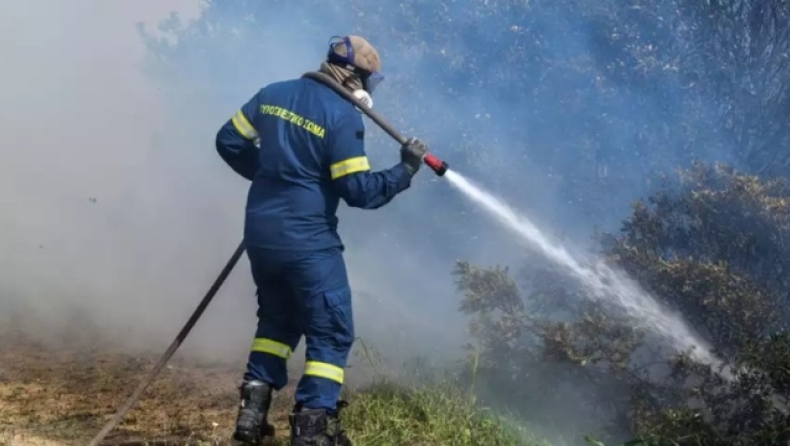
[711, 244]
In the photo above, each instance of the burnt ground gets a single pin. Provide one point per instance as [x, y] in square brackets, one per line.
[59, 394]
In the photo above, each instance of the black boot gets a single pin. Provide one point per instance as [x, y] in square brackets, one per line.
[317, 427]
[251, 422]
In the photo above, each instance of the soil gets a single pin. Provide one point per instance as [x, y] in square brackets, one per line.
[59, 394]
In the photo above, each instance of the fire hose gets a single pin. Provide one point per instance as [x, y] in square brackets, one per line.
[437, 165]
[127, 405]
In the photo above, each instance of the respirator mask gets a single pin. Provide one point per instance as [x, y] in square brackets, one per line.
[370, 80]
[363, 97]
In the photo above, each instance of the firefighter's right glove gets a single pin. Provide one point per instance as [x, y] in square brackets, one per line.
[411, 155]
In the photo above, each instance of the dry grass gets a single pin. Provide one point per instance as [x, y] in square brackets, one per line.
[63, 395]
[60, 395]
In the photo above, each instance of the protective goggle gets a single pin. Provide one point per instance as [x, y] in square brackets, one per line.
[370, 80]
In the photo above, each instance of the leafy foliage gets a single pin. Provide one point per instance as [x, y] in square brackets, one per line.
[711, 245]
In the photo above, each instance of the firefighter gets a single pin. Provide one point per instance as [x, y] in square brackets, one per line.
[302, 146]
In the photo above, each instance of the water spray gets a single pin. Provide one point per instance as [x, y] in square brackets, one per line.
[601, 283]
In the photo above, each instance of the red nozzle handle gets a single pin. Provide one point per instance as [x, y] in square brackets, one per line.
[437, 165]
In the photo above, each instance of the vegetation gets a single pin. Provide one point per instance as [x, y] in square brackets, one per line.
[59, 393]
[387, 414]
[711, 245]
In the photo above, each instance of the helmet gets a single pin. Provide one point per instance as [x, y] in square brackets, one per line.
[357, 55]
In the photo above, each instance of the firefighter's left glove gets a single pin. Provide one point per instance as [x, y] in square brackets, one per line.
[411, 155]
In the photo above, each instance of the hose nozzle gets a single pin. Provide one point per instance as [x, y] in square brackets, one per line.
[437, 165]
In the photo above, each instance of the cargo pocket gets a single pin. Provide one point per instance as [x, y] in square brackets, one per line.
[338, 305]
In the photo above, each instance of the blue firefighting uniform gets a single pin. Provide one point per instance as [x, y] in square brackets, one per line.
[310, 154]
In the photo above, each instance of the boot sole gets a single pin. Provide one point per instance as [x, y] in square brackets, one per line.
[267, 434]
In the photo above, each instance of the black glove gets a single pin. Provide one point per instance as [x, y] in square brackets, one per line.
[411, 154]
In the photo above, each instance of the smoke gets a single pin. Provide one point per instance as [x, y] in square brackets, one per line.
[118, 214]
[97, 216]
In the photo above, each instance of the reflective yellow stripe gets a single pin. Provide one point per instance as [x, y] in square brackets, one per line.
[271, 347]
[349, 166]
[243, 126]
[324, 370]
